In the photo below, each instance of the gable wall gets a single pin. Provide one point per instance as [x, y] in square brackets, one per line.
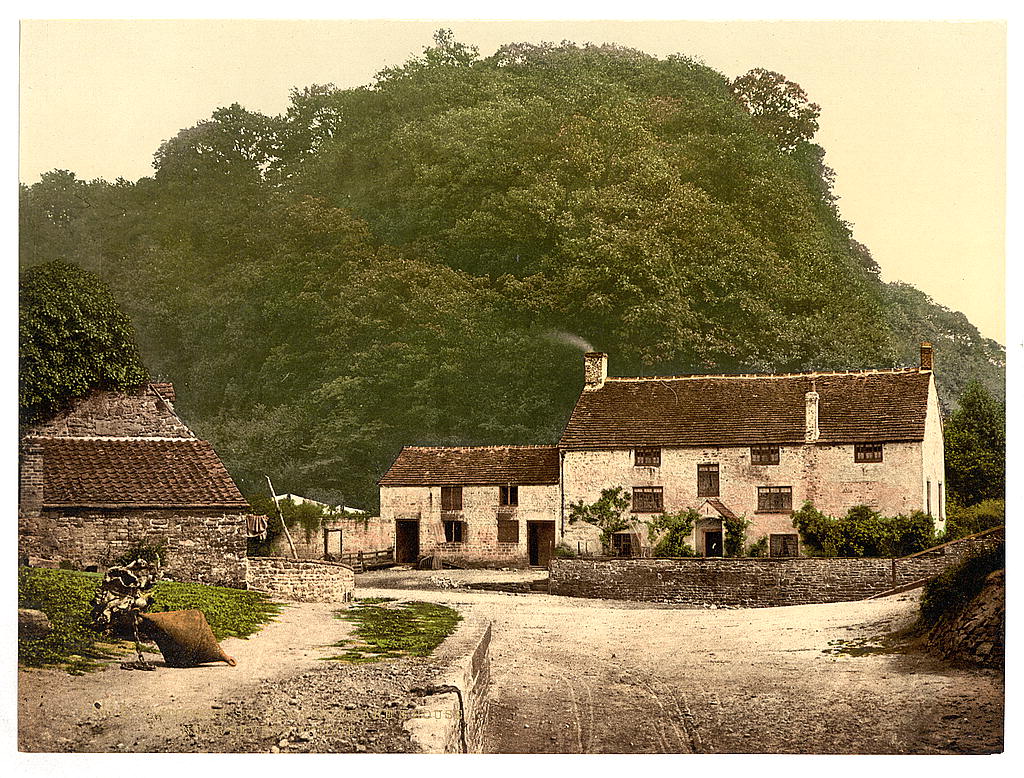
[116, 414]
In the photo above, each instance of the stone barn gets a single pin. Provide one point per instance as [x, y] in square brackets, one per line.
[120, 470]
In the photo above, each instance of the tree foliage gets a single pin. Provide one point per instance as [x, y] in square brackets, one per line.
[735, 535]
[72, 338]
[607, 513]
[669, 533]
[975, 438]
[382, 266]
[780, 107]
[963, 521]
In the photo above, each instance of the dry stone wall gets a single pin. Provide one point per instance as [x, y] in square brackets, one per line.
[977, 633]
[303, 580]
[754, 583]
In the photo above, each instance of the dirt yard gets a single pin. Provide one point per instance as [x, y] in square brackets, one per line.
[568, 676]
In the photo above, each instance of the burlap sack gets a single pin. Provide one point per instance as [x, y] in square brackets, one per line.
[184, 638]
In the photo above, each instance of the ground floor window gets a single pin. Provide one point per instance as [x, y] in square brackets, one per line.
[784, 545]
[508, 531]
[455, 531]
[774, 499]
[622, 544]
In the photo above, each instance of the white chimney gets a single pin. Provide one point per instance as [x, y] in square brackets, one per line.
[595, 370]
[811, 431]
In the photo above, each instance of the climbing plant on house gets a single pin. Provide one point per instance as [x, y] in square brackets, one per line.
[669, 533]
[605, 513]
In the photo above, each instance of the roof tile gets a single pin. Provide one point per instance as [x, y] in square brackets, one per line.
[473, 465]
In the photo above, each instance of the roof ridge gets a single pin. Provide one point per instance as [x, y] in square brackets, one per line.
[808, 374]
[118, 438]
[479, 448]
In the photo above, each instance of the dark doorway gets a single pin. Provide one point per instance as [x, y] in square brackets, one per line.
[713, 543]
[407, 541]
[540, 541]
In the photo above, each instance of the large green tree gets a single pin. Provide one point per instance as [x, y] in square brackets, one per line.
[976, 447]
[72, 338]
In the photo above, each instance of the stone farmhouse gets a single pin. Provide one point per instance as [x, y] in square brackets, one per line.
[755, 446]
[118, 470]
[473, 505]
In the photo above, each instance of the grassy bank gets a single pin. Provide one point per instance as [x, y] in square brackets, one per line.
[387, 630]
[66, 598]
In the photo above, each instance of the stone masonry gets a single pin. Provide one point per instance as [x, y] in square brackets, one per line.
[754, 582]
[302, 580]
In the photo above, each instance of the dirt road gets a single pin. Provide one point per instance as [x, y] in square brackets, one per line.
[587, 676]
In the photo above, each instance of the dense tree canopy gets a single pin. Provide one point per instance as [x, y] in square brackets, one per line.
[72, 338]
[976, 447]
[386, 265]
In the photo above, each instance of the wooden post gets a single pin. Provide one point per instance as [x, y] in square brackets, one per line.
[277, 505]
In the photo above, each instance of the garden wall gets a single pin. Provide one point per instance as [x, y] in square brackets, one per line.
[752, 582]
[304, 580]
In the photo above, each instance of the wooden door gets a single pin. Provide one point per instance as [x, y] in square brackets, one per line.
[713, 543]
[407, 541]
[540, 542]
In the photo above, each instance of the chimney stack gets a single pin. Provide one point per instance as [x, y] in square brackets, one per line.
[811, 430]
[926, 356]
[595, 370]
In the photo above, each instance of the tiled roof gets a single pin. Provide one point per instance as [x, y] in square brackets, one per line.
[139, 472]
[719, 506]
[473, 465]
[749, 410]
[165, 389]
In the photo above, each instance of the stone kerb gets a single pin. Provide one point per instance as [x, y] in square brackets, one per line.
[302, 580]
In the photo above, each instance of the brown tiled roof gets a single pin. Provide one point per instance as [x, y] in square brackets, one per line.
[473, 465]
[749, 410]
[719, 506]
[165, 389]
[138, 472]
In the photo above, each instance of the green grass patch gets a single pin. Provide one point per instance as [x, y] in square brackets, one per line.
[66, 596]
[386, 631]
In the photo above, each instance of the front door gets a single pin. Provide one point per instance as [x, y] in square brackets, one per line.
[407, 541]
[540, 541]
[713, 543]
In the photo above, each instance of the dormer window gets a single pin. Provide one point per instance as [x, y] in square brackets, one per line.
[648, 457]
[867, 452]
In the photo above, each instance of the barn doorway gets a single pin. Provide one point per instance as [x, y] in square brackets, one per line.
[407, 541]
[540, 542]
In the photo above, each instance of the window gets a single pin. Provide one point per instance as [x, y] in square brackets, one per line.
[451, 498]
[784, 545]
[774, 499]
[508, 531]
[928, 497]
[508, 496]
[941, 516]
[648, 457]
[867, 452]
[764, 455]
[622, 544]
[647, 499]
[454, 531]
[707, 480]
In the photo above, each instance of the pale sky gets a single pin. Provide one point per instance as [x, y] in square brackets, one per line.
[913, 113]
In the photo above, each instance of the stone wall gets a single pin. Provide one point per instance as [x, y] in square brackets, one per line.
[202, 545]
[371, 533]
[303, 580]
[976, 634]
[753, 583]
[138, 413]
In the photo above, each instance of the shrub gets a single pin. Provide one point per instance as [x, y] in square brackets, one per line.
[669, 533]
[961, 522]
[954, 588]
[605, 513]
[562, 551]
[154, 552]
[863, 532]
[735, 535]
[759, 548]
